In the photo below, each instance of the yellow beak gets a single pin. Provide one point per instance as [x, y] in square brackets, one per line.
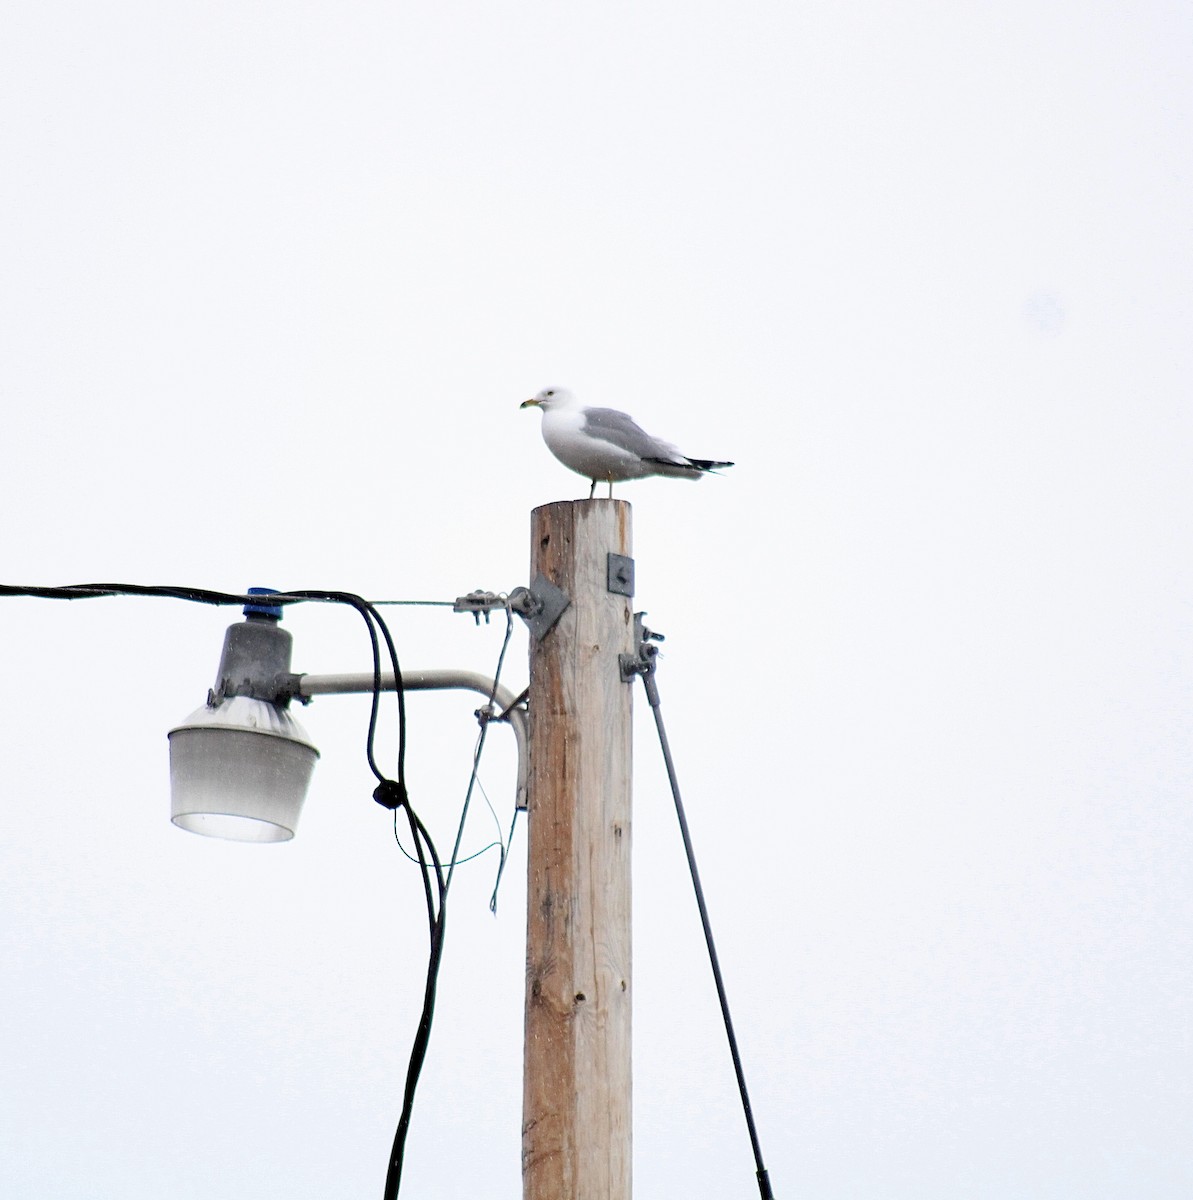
[531, 404]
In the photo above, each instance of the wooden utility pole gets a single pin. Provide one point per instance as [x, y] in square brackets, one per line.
[576, 1135]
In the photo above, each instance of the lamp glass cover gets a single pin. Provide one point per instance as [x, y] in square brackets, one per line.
[240, 770]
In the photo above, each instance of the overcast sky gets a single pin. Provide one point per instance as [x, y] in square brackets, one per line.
[274, 279]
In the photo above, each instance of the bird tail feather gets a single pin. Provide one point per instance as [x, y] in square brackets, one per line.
[683, 467]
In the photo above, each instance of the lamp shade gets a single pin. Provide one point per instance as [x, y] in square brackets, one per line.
[240, 769]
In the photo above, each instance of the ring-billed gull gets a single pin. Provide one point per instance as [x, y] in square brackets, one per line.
[602, 443]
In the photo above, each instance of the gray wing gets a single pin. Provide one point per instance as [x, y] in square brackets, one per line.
[622, 431]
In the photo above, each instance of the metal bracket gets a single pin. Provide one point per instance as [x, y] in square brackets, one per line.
[540, 605]
[642, 662]
[620, 574]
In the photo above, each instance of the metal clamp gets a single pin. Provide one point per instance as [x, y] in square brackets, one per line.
[540, 605]
[642, 662]
[479, 603]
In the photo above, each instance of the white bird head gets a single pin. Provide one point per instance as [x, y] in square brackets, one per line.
[550, 397]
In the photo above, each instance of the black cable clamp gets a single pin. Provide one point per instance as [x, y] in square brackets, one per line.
[391, 794]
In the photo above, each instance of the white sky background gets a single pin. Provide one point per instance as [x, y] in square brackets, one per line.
[274, 280]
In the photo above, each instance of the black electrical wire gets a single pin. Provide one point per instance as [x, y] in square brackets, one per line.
[92, 591]
[436, 914]
[436, 918]
[366, 608]
[374, 623]
[391, 793]
[652, 694]
[372, 619]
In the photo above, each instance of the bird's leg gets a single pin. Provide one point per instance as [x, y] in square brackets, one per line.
[610, 489]
[592, 490]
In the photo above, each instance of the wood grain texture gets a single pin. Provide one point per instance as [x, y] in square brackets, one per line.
[576, 1138]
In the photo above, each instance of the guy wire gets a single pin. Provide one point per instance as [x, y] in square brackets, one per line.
[652, 694]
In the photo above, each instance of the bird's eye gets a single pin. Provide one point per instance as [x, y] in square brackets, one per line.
[550, 391]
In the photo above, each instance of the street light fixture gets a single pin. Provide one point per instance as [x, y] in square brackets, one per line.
[240, 766]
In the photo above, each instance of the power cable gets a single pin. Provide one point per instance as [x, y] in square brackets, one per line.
[436, 916]
[375, 624]
[91, 591]
[391, 793]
